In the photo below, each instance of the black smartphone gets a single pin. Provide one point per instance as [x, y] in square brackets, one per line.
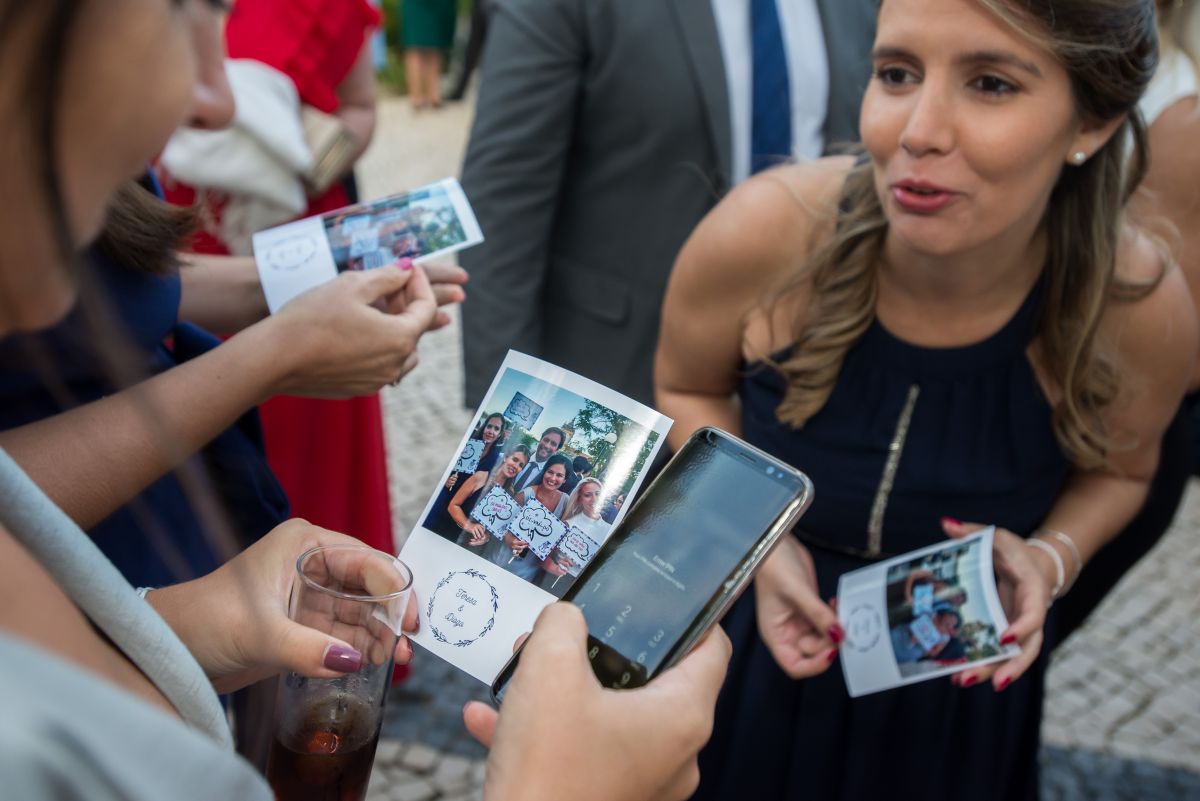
[683, 553]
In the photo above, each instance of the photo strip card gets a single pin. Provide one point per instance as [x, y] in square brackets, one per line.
[553, 460]
[423, 224]
[921, 615]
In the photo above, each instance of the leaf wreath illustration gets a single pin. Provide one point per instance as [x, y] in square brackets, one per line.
[437, 634]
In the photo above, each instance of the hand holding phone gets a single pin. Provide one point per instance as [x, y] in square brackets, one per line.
[539, 750]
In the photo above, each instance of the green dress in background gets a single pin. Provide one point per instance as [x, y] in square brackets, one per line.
[429, 23]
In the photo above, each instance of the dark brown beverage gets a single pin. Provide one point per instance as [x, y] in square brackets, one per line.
[327, 756]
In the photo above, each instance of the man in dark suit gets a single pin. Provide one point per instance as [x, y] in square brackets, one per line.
[552, 439]
[605, 130]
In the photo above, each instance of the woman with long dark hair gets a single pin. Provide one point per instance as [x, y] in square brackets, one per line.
[957, 328]
[491, 431]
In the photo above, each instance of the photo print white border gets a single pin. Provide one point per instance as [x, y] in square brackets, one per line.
[488, 607]
[868, 659]
[295, 257]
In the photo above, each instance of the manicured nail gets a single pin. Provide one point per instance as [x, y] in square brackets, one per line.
[342, 658]
[1004, 683]
[837, 633]
[966, 681]
[405, 263]
[832, 655]
[1008, 639]
[950, 521]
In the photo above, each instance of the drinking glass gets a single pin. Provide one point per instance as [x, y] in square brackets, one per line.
[326, 730]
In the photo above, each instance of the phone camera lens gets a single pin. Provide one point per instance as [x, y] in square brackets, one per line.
[770, 471]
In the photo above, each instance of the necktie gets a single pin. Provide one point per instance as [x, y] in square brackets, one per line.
[527, 476]
[771, 120]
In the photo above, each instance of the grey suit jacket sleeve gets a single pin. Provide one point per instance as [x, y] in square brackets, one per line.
[524, 125]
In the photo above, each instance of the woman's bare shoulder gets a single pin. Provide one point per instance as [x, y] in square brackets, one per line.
[766, 225]
[1155, 332]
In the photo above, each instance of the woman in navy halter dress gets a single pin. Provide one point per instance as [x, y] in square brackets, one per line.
[920, 292]
[969, 452]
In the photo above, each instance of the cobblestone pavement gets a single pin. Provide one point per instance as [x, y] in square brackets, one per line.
[1122, 719]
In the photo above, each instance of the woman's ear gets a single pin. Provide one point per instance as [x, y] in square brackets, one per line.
[1092, 136]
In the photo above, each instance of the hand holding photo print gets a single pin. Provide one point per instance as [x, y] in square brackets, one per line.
[555, 451]
[925, 614]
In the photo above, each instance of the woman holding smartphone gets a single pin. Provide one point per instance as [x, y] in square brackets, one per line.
[958, 326]
[502, 475]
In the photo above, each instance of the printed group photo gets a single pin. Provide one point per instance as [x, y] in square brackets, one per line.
[937, 613]
[543, 477]
[432, 219]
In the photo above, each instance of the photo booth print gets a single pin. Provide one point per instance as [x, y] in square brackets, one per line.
[468, 460]
[538, 526]
[496, 511]
[579, 547]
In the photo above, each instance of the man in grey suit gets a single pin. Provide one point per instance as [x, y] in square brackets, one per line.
[605, 131]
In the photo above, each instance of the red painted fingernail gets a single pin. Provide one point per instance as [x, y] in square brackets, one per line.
[341, 658]
[832, 655]
[405, 263]
[1004, 684]
[950, 521]
[837, 633]
[1008, 639]
[966, 681]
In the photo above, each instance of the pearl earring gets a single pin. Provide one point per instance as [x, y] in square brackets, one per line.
[1079, 157]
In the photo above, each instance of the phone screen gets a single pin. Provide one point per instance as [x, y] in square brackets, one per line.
[674, 553]
[677, 554]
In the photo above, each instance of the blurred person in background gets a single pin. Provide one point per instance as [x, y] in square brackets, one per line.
[428, 35]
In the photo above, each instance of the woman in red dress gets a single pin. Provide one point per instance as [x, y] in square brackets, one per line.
[328, 455]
